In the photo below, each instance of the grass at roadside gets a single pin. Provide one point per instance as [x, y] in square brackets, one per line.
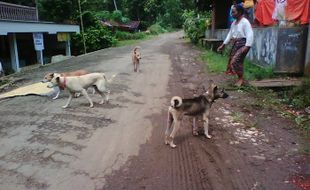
[289, 102]
[217, 63]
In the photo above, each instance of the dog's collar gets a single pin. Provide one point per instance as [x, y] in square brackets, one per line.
[63, 84]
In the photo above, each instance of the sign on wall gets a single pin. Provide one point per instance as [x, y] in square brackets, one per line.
[63, 37]
[38, 41]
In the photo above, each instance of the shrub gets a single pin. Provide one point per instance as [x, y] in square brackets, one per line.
[195, 26]
[156, 29]
[299, 96]
[118, 16]
[120, 35]
[95, 38]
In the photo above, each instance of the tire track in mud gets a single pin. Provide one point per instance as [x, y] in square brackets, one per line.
[217, 174]
[193, 157]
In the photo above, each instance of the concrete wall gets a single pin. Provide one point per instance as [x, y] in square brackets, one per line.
[265, 49]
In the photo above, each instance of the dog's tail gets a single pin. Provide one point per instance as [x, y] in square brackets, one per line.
[176, 102]
[109, 80]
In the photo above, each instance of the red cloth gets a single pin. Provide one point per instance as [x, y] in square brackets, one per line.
[264, 10]
[298, 10]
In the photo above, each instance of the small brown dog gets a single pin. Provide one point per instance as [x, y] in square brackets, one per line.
[136, 56]
[48, 78]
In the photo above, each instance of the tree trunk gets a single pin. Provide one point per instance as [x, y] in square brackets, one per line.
[115, 5]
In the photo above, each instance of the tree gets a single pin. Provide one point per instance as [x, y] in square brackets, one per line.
[62, 11]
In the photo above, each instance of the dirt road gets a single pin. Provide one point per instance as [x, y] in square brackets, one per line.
[120, 145]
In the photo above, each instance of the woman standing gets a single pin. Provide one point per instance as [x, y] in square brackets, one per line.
[241, 36]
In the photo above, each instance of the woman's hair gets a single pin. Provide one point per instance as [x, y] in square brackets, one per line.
[240, 9]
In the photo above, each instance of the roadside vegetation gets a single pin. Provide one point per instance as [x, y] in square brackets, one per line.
[293, 102]
[155, 17]
[290, 102]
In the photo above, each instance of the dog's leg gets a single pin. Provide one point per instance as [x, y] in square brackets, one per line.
[107, 94]
[104, 93]
[169, 124]
[84, 92]
[104, 96]
[69, 100]
[57, 95]
[206, 124]
[195, 130]
[176, 126]
[138, 65]
[177, 118]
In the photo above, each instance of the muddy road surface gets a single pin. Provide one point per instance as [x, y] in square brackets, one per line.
[120, 145]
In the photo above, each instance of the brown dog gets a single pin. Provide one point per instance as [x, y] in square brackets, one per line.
[136, 56]
[48, 78]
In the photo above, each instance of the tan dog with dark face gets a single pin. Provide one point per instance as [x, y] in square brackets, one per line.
[49, 76]
[191, 107]
[136, 56]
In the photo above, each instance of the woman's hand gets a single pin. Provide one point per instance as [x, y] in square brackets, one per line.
[246, 48]
[219, 49]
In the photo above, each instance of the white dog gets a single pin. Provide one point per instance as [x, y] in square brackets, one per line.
[80, 84]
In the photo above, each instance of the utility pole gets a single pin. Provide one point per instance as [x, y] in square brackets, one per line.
[115, 4]
[82, 26]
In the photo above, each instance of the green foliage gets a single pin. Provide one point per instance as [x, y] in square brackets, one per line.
[156, 29]
[95, 38]
[90, 19]
[118, 16]
[195, 24]
[120, 35]
[303, 121]
[214, 63]
[298, 97]
[255, 72]
[103, 15]
[58, 10]
[172, 17]
[157, 15]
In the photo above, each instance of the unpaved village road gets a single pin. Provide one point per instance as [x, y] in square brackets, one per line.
[120, 145]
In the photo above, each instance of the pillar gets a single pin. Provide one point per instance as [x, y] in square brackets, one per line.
[14, 52]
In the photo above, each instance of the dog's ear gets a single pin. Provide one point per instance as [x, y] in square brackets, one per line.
[214, 88]
[204, 89]
[51, 75]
